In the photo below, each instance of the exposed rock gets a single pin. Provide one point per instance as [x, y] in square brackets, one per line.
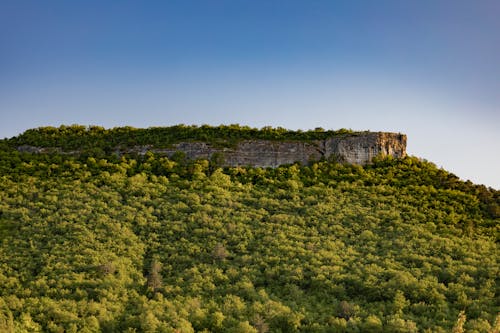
[359, 148]
[38, 150]
[355, 149]
[30, 149]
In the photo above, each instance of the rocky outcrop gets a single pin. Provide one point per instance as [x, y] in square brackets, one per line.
[361, 149]
[358, 148]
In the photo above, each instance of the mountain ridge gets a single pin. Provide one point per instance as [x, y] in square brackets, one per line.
[232, 145]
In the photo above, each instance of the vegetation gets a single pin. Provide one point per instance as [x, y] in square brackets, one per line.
[151, 244]
[95, 138]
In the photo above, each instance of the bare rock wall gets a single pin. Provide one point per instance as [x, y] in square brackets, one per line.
[359, 148]
[356, 149]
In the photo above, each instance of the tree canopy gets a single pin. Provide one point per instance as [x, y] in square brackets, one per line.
[80, 137]
[152, 244]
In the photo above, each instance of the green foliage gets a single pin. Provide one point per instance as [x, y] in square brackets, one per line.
[97, 141]
[6, 318]
[151, 244]
[459, 325]
[155, 280]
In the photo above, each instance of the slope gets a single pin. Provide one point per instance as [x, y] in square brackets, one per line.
[150, 244]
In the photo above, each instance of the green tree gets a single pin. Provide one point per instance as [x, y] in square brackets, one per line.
[155, 280]
[6, 318]
[459, 325]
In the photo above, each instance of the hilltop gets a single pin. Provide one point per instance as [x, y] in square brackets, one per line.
[68, 138]
[97, 241]
[232, 145]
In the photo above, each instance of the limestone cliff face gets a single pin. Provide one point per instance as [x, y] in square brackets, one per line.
[361, 149]
[358, 148]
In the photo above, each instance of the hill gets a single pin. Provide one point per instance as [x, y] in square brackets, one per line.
[148, 243]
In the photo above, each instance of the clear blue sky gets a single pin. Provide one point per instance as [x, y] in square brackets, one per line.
[427, 68]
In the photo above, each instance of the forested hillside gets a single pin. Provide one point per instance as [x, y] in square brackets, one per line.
[150, 244]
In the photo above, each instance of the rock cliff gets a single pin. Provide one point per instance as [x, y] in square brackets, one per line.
[355, 148]
[359, 148]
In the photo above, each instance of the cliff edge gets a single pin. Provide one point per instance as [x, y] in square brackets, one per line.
[231, 145]
[359, 148]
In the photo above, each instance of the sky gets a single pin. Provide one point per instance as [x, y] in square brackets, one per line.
[427, 68]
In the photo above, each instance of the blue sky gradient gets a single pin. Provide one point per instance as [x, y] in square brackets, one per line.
[429, 69]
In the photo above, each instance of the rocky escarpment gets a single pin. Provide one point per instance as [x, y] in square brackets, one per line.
[356, 149]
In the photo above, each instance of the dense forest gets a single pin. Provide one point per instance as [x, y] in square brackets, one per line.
[108, 243]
